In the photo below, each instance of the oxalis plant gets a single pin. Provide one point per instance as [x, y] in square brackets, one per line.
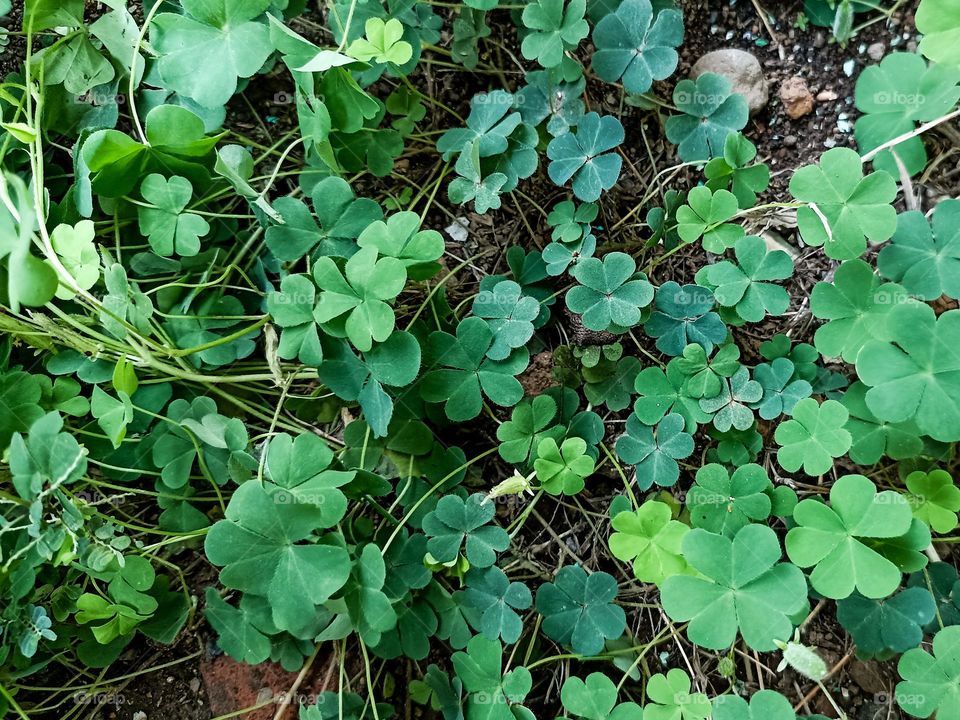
[272, 373]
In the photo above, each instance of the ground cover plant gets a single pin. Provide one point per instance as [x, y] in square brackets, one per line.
[274, 385]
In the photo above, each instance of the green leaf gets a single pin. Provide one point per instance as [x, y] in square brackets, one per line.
[882, 628]
[457, 523]
[813, 437]
[655, 451]
[509, 315]
[744, 285]
[724, 503]
[495, 600]
[935, 499]
[261, 550]
[894, 96]
[924, 257]
[546, 96]
[29, 280]
[635, 48]
[731, 407]
[299, 468]
[614, 389]
[170, 230]
[705, 215]
[46, 459]
[562, 470]
[857, 306]
[292, 309]
[931, 683]
[462, 373]
[610, 293]
[369, 609]
[704, 377]
[914, 374]
[74, 245]
[874, 438]
[354, 303]
[383, 43]
[555, 27]
[237, 634]
[835, 538]
[781, 392]
[472, 184]
[682, 315]
[596, 699]
[844, 207]
[652, 539]
[225, 38]
[493, 695]
[939, 22]
[732, 172]
[672, 700]
[710, 113]
[579, 611]
[530, 422]
[400, 237]
[489, 125]
[763, 705]
[112, 414]
[666, 392]
[45, 14]
[744, 588]
[585, 156]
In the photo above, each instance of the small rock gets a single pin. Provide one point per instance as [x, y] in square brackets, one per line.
[194, 685]
[848, 67]
[826, 96]
[819, 40]
[796, 97]
[139, 715]
[458, 230]
[742, 69]
[875, 52]
[790, 140]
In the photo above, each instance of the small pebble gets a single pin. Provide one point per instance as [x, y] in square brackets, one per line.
[848, 67]
[826, 96]
[790, 140]
[876, 51]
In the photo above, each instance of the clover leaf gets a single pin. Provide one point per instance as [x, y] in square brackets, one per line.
[731, 407]
[530, 422]
[672, 700]
[585, 156]
[781, 392]
[652, 539]
[556, 27]
[666, 392]
[894, 96]
[873, 438]
[856, 305]
[457, 523]
[704, 377]
[682, 315]
[931, 683]
[938, 21]
[813, 437]
[609, 294]
[472, 184]
[488, 126]
[170, 230]
[547, 96]
[723, 503]
[935, 499]
[562, 470]
[763, 705]
[579, 610]
[493, 694]
[45, 460]
[260, 548]
[292, 309]
[400, 237]
[655, 451]
[353, 303]
[509, 314]
[226, 39]
[835, 538]
[595, 699]
[924, 257]
[496, 600]
[732, 171]
[634, 47]
[914, 374]
[705, 216]
[74, 245]
[744, 286]
[744, 588]
[300, 467]
[383, 43]
[882, 628]
[612, 386]
[844, 208]
[710, 113]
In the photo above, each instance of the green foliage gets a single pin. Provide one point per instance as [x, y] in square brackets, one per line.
[710, 113]
[931, 683]
[562, 470]
[652, 539]
[655, 450]
[839, 540]
[813, 437]
[496, 601]
[881, 628]
[763, 705]
[744, 286]
[924, 257]
[705, 216]
[935, 499]
[844, 207]
[743, 589]
[579, 610]
[458, 525]
[170, 230]
[672, 699]
[635, 47]
[732, 171]
[492, 694]
[683, 315]
[609, 294]
[382, 43]
[940, 25]
[586, 156]
[723, 503]
[595, 699]
[555, 27]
